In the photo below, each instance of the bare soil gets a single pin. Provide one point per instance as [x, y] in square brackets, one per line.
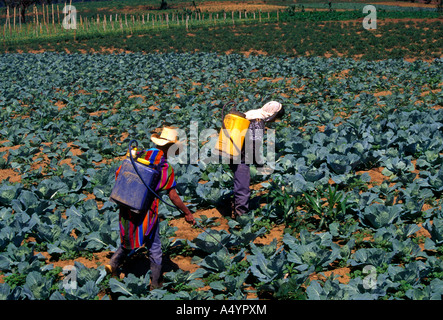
[11, 174]
[214, 6]
[185, 231]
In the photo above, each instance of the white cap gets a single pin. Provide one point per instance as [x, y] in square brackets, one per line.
[267, 113]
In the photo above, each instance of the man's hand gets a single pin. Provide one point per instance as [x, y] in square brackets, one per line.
[179, 203]
[189, 217]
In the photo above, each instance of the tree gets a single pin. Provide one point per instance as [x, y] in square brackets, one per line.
[22, 5]
[163, 5]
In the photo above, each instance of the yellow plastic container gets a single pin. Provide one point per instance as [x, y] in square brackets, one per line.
[140, 160]
[134, 153]
[231, 139]
[143, 161]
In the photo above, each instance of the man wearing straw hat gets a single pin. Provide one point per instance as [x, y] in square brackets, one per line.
[137, 230]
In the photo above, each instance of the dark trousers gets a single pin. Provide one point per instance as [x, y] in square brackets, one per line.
[153, 244]
[242, 179]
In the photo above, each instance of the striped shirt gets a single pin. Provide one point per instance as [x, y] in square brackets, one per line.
[135, 227]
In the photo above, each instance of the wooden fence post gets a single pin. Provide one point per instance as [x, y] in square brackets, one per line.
[8, 21]
[43, 12]
[58, 15]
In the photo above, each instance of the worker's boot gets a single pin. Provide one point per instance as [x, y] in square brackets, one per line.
[156, 272]
[116, 261]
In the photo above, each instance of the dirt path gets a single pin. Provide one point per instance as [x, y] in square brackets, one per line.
[206, 6]
[215, 6]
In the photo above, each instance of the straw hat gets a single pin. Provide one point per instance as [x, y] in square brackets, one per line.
[168, 135]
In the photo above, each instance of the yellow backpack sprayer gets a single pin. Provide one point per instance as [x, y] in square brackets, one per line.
[233, 133]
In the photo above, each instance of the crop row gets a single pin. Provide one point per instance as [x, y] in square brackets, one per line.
[403, 39]
[68, 119]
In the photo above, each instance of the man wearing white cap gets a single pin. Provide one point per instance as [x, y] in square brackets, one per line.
[242, 178]
[267, 113]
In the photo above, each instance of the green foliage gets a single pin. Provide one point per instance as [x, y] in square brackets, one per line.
[331, 209]
[321, 195]
[204, 34]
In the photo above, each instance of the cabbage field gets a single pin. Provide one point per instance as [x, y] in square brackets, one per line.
[352, 209]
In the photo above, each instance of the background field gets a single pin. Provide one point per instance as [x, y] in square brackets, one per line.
[286, 28]
[358, 180]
